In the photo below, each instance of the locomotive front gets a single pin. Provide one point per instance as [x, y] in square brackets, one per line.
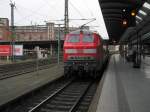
[81, 52]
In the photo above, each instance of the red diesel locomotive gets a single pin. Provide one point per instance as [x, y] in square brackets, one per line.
[83, 52]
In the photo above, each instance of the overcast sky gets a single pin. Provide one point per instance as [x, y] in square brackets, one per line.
[33, 12]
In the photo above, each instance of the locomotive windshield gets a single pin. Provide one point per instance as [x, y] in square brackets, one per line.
[74, 38]
[87, 38]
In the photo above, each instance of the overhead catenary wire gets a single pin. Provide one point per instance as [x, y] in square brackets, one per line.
[2, 2]
[36, 12]
[89, 9]
[32, 13]
[78, 12]
[76, 9]
[56, 12]
[23, 18]
[75, 19]
[20, 9]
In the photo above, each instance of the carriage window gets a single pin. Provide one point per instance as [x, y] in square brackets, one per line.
[73, 39]
[88, 38]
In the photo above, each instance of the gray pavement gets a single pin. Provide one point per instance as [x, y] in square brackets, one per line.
[125, 89]
[14, 87]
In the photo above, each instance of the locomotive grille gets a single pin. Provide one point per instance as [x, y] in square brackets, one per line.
[81, 58]
[87, 51]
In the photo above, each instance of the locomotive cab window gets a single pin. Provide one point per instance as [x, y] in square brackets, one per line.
[87, 38]
[74, 38]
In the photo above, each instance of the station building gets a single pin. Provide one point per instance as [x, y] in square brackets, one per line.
[31, 32]
[4, 29]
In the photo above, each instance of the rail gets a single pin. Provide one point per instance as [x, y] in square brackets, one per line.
[67, 95]
[10, 70]
[75, 96]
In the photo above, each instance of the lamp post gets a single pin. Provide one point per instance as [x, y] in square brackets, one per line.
[13, 31]
[58, 48]
[137, 62]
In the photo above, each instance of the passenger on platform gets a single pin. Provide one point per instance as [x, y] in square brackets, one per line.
[129, 56]
[121, 51]
[125, 52]
[143, 53]
[134, 55]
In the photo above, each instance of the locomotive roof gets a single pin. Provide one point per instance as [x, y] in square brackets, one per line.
[84, 31]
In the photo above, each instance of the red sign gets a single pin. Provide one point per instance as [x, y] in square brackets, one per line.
[5, 50]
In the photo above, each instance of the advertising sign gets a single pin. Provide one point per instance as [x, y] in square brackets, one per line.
[18, 50]
[5, 50]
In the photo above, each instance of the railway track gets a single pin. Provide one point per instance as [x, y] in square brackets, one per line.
[61, 96]
[12, 70]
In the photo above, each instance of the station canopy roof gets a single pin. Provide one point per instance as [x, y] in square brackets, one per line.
[142, 26]
[115, 12]
[143, 15]
[126, 35]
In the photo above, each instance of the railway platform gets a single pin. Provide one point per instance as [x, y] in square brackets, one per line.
[5, 62]
[124, 88]
[14, 87]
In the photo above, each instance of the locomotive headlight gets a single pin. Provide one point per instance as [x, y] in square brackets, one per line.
[70, 51]
[89, 51]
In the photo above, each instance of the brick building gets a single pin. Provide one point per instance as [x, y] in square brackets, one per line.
[35, 33]
[4, 29]
[40, 32]
[32, 32]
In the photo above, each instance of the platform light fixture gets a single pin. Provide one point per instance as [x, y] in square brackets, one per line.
[142, 12]
[124, 10]
[133, 13]
[124, 22]
[139, 17]
[146, 5]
